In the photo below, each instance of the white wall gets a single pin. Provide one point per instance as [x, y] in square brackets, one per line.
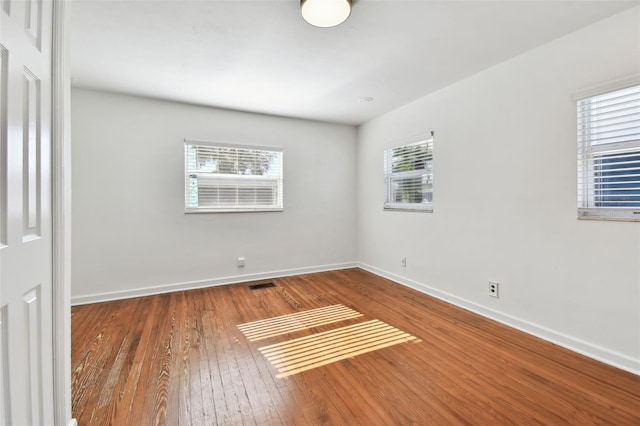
[130, 235]
[505, 199]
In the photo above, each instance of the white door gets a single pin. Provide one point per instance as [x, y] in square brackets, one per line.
[26, 383]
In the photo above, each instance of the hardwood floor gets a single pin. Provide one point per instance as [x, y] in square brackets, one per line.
[180, 358]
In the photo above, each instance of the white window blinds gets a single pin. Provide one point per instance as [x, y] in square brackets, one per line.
[232, 178]
[408, 175]
[609, 154]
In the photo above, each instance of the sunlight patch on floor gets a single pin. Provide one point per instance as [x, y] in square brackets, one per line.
[270, 327]
[305, 353]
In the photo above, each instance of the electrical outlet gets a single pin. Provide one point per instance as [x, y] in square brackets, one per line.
[404, 262]
[241, 262]
[493, 289]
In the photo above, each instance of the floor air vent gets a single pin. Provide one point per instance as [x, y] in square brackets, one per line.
[261, 286]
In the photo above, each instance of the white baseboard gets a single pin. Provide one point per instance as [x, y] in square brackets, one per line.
[192, 285]
[73, 422]
[607, 356]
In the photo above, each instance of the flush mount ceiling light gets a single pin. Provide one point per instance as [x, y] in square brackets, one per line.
[325, 13]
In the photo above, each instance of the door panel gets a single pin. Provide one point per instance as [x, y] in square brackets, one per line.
[5, 403]
[31, 156]
[3, 145]
[33, 20]
[26, 381]
[33, 333]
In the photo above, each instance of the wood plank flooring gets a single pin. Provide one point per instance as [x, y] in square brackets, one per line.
[180, 359]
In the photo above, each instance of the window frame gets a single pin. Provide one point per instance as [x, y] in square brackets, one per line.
[589, 162]
[389, 175]
[276, 182]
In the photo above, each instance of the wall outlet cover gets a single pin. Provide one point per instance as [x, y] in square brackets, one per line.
[493, 289]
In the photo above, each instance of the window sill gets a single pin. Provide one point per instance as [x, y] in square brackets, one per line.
[610, 219]
[399, 209]
[233, 211]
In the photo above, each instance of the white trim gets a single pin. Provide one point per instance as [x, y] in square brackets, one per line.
[408, 140]
[609, 86]
[606, 154]
[196, 180]
[237, 210]
[390, 176]
[73, 422]
[390, 208]
[240, 145]
[599, 353]
[602, 216]
[192, 285]
[61, 221]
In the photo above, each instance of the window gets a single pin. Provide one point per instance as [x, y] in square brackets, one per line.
[408, 176]
[232, 178]
[609, 155]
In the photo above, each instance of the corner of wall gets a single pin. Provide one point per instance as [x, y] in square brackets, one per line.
[598, 353]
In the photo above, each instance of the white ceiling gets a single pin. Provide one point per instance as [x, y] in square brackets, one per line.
[260, 55]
